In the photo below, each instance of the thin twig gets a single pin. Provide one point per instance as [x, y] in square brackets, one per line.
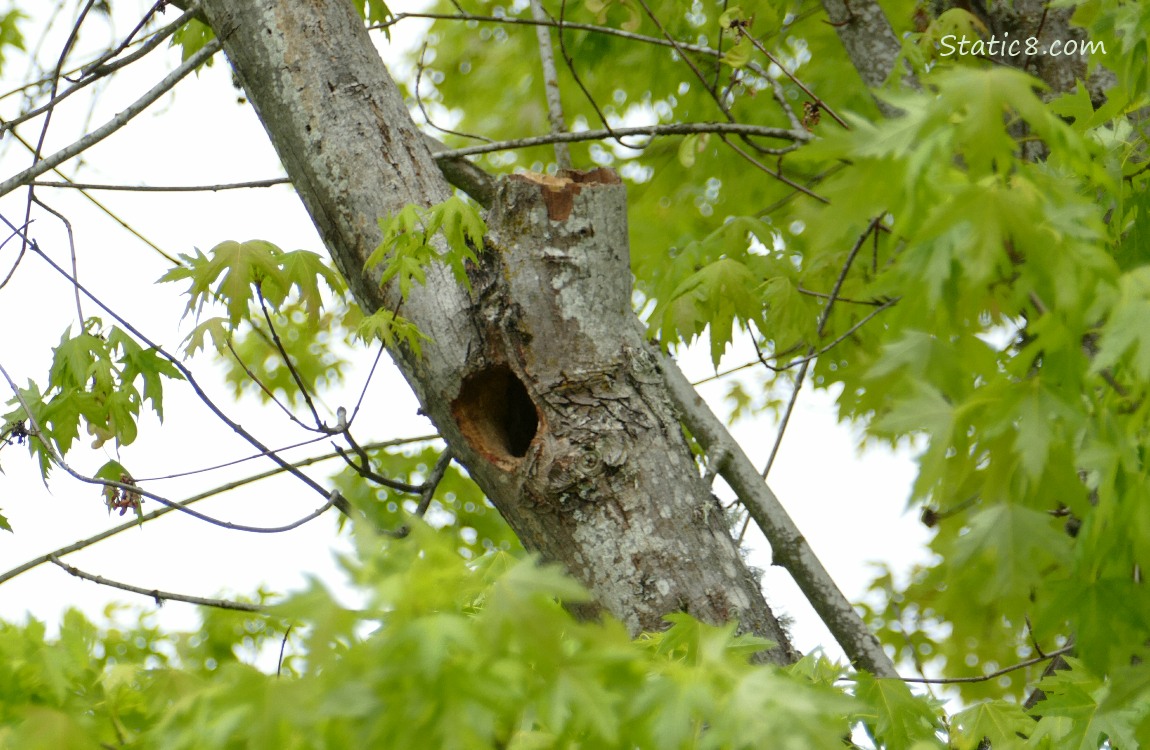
[671, 128]
[152, 515]
[98, 69]
[163, 188]
[773, 173]
[845, 270]
[319, 426]
[819, 102]
[340, 502]
[686, 59]
[991, 675]
[570, 63]
[433, 481]
[283, 645]
[363, 468]
[117, 122]
[71, 251]
[263, 387]
[551, 85]
[159, 596]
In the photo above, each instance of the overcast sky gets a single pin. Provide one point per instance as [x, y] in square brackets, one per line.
[850, 506]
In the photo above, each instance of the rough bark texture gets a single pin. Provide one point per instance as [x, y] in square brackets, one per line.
[537, 378]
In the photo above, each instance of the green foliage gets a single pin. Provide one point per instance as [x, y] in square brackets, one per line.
[446, 653]
[374, 11]
[997, 232]
[408, 249]
[100, 379]
[191, 38]
[10, 34]
[278, 304]
[458, 506]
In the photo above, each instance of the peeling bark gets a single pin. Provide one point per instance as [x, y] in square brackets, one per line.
[539, 378]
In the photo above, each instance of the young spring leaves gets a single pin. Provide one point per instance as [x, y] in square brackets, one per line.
[99, 380]
[276, 302]
[408, 248]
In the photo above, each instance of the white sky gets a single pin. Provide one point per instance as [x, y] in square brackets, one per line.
[849, 506]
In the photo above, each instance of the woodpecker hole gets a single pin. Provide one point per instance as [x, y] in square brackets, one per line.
[495, 414]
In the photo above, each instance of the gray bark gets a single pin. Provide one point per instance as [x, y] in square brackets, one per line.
[538, 378]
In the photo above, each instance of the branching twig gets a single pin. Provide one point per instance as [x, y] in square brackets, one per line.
[36, 431]
[159, 596]
[117, 122]
[363, 468]
[339, 502]
[152, 515]
[100, 68]
[992, 675]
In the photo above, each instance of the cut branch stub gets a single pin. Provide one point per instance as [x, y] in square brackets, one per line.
[565, 419]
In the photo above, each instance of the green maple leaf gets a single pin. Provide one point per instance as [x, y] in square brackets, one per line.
[1008, 549]
[896, 717]
[713, 297]
[230, 272]
[1073, 716]
[1001, 722]
[304, 270]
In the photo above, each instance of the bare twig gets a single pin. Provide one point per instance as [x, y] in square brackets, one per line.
[100, 68]
[821, 104]
[163, 188]
[687, 59]
[263, 387]
[991, 675]
[288, 363]
[283, 645]
[117, 122]
[551, 84]
[672, 128]
[773, 173]
[152, 515]
[433, 481]
[159, 596]
[71, 251]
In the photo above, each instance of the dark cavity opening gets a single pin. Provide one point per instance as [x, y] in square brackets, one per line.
[495, 413]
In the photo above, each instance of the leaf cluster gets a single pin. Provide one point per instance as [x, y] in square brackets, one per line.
[446, 653]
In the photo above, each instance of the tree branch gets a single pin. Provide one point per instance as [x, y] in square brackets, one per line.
[997, 673]
[676, 128]
[158, 595]
[88, 542]
[788, 546]
[551, 84]
[117, 122]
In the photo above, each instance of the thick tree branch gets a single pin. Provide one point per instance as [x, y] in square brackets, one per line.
[869, 40]
[788, 546]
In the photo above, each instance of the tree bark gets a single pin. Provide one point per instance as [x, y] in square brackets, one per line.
[539, 378]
